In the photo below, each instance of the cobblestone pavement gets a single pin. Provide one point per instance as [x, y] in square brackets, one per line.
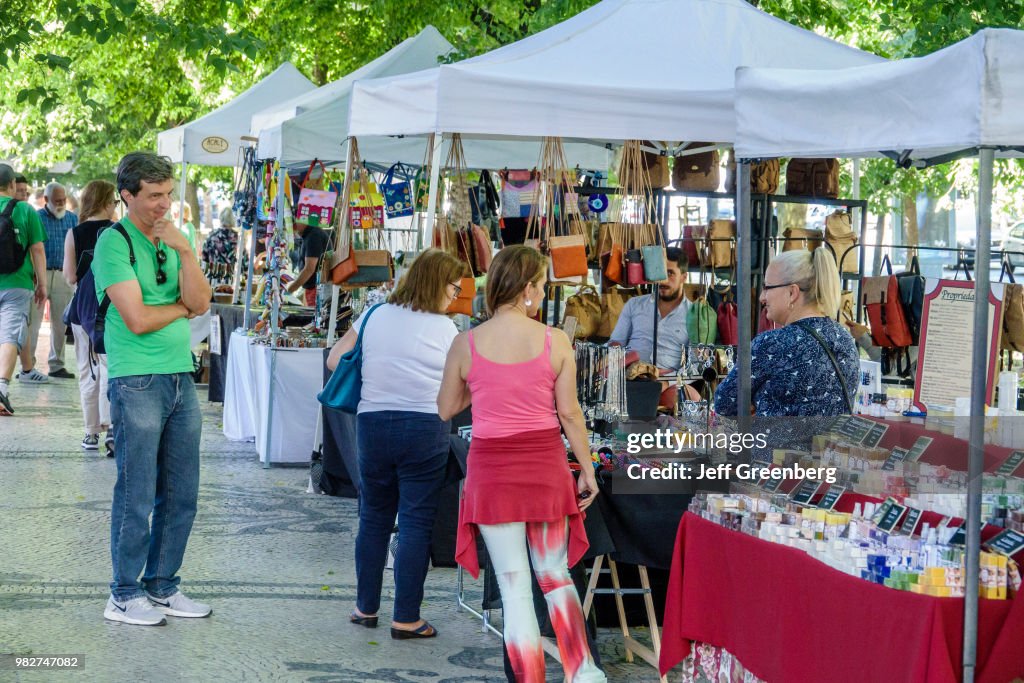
[275, 563]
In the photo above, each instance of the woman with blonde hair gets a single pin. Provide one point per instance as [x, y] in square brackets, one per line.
[99, 210]
[402, 443]
[519, 495]
[810, 365]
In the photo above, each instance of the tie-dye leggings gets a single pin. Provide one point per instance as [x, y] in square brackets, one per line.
[507, 546]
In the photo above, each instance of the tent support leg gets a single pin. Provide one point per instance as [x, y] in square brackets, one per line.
[743, 277]
[979, 377]
[435, 140]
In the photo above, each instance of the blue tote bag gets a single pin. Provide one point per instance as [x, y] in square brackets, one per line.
[346, 383]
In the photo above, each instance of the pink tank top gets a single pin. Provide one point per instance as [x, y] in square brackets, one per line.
[511, 398]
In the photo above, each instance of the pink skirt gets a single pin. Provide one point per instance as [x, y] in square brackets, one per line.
[520, 478]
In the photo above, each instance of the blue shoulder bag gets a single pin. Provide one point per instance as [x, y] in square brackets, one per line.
[345, 386]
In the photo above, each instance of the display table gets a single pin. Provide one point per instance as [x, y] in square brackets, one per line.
[788, 617]
[293, 377]
[945, 449]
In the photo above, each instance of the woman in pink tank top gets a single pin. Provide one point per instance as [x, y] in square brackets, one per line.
[519, 494]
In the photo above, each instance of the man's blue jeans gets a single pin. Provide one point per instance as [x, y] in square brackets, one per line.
[402, 461]
[157, 425]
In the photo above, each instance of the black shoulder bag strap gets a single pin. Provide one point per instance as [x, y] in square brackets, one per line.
[101, 312]
[835, 364]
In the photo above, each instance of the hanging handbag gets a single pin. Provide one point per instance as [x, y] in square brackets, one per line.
[697, 172]
[366, 204]
[374, 267]
[568, 255]
[656, 166]
[881, 299]
[911, 290]
[315, 206]
[397, 193]
[721, 244]
[635, 268]
[728, 323]
[518, 193]
[840, 238]
[764, 175]
[693, 244]
[613, 300]
[813, 178]
[1013, 318]
[801, 238]
[701, 323]
[463, 303]
[585, 306]
[345, 386]
[654, 256]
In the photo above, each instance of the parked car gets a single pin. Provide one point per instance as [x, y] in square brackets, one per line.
[1014, 243]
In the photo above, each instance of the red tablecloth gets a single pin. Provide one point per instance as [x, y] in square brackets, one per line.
[790, 618]
[944, 450]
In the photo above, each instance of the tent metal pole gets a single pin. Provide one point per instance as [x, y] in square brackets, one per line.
[435, 139]
[743, 280]
[979, 377]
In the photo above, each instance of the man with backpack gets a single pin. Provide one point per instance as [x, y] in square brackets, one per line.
[143, 265]
[21, 256]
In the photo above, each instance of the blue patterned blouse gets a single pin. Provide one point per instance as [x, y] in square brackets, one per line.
[792, 374]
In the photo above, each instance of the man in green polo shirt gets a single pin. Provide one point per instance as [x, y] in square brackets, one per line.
[16, 288]
[153, 405]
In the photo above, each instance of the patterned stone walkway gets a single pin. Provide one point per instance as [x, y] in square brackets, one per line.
[275, 563]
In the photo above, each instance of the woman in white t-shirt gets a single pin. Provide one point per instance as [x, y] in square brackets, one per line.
[402, 443]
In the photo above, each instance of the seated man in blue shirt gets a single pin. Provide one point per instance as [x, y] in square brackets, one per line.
[635, 328]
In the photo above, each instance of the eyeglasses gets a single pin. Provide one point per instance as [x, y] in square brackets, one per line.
[161, 259]
[457, 288]
[784, 284]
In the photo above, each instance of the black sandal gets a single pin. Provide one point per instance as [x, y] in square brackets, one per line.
[424, 631]
[368, 622]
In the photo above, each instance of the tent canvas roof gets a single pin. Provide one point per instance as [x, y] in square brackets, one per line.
[968, 95]
[213, 140]
[653, 69]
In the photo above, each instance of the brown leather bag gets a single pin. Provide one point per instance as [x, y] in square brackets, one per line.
[840, 238]
[585, 306]
[764, 176]
[656, 165]
[720, 250]
[613, 300]
[813, 178]
[697, 172]
[801, 238]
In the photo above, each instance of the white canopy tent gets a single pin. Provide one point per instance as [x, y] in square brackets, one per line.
[963, 100]
[213, 140]
[623, 69]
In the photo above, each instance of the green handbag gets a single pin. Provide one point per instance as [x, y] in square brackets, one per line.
[701, 322]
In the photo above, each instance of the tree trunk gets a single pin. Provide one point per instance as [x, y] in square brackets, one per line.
[911, 236]
[876, 264]
[192, 197]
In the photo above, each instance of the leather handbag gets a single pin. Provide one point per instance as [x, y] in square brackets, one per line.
[656, 166]
[693, 244]
[585, 306]
[374, 267]
[344, 268]
[728, 323]
[840, 238]
[697, 172]
[655, 262]
[613, 300]
[721, 244]
[813, 178]
[568, 255]
[701, 322]
[463, 303]
[345, 386]
[764, 176]
[635, 268]
[881, 298]
[911, 289]
[801, 238]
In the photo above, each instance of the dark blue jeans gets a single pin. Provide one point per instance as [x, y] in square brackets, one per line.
[157, 425]
[402, 460]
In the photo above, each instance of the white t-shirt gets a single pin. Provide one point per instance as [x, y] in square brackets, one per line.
[403, 359]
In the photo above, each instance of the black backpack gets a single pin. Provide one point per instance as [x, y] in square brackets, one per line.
[85, 310]
[12, 252]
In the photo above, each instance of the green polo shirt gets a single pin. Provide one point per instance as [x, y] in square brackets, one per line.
[30, 231]
[163, 352]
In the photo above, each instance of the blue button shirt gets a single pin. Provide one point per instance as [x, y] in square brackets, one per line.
[635, 331]
[56, 232]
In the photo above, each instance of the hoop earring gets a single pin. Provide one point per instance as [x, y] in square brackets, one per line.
[528, 303]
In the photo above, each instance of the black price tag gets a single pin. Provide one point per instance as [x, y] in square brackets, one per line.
[891, 516]
[897, 455]
[1008, 542]
[910, 523]
[874, 435]
[804, 493]
[1011, 464]
[831, 497]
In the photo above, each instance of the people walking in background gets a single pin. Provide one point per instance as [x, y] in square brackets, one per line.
[402, 443]
[147, 268]
[99, 209]
[21, 259]
[519, 494]
[57, 222]
[182, 213]
[29, 374]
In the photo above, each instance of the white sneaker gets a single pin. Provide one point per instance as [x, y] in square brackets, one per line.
[178, 605]
[137, 611]
[91, 442]
[33, 376]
